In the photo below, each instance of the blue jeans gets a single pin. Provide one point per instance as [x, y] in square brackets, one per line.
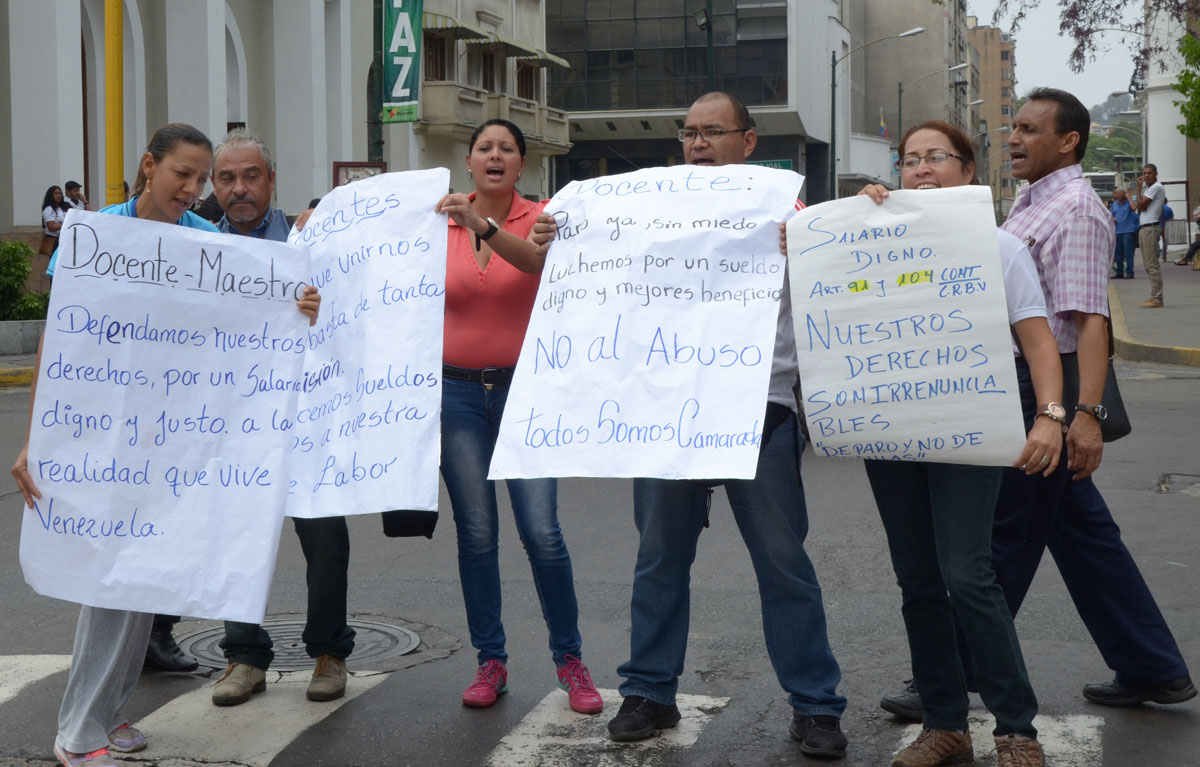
[772, 518]
[1123, 263]
[470, 422]
[938, 518]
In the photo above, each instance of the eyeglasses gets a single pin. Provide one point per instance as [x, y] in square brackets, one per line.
[708, 134]
[933, 159]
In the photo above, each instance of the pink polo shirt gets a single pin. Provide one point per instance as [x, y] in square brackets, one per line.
[488, 310]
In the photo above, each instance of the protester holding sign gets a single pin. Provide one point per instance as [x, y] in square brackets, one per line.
[770, 513]
[488, 302]
[244, 182]
[938, 516]
[110, 645]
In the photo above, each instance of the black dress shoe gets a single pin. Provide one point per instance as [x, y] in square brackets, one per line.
[640, 718]
[1116, 694]
[164, 654]
[906, 704]
[819, 736]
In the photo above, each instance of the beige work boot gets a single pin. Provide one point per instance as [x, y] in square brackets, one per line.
[1018, 751]
[241, 680]
[328, 680]
[936, 747]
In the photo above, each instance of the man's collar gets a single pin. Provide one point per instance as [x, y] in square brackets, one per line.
[1048, 185]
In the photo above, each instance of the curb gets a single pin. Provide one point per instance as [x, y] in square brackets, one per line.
[1127, 348]
[10, 377]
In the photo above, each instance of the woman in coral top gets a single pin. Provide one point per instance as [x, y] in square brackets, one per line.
[488, 302]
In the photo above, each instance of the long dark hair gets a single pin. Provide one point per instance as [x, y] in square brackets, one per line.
[511, 127]
[48, 200]
[163, 142]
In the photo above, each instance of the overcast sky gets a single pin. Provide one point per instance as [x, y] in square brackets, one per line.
[1042, 55]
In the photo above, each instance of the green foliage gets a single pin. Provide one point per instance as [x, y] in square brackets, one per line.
[16, 261]
[1189, 85]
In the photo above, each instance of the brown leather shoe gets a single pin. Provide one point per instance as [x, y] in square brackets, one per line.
[936, 747]
[1018, 751]
[1151, 303]
[240, 681]
[328, 680]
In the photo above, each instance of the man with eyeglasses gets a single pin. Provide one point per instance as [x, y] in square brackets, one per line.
[770, 514]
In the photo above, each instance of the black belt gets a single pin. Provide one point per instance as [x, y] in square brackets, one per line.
[1143, 226]
[487, 376]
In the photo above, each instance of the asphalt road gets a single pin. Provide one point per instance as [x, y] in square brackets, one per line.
[409, 714]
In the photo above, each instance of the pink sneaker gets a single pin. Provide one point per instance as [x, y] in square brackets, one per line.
[491, 679]
[573, 677]
[97, 758]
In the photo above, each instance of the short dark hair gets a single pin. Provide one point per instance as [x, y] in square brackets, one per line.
[741, 115]
[1152, 167]
[1071, 115]
[71, 185]
[517, 135]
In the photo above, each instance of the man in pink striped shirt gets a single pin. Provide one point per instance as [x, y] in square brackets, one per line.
[1070, 234]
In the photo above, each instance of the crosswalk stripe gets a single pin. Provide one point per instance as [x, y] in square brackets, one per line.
[19, 671]
[1068, 741]
[552, 735]
[190, 727]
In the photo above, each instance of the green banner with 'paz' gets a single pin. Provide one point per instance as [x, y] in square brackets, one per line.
[401, 60]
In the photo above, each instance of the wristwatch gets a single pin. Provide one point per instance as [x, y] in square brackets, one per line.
[1099, 411]
[493, 227]
[1054, 411]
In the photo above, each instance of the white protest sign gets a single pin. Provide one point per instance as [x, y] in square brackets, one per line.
[902, 329]
[366, 431]
[158, 492]
[649, 350]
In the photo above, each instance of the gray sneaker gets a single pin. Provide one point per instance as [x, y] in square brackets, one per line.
[905, 705]
[126, 739]
[328, 680]
[240, 681]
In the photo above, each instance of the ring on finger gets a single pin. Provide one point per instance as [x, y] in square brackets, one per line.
[1045, 460]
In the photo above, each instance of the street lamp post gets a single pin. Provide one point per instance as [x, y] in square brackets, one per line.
[833, 63]
[704, 20]
[900, 91]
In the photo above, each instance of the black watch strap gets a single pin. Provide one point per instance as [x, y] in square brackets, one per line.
[493, 227]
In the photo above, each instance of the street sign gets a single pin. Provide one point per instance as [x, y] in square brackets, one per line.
[401, 61]
[780, 164]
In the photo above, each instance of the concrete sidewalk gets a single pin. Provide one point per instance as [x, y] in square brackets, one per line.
[1170, 334]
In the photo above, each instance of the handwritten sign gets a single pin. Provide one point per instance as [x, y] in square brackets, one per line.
[902, 329]
[155, 438]
[366, 431]
[650, 346]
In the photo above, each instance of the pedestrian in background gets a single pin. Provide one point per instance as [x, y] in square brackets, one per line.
[1125, 219]
[54, 210]
[1151, 197]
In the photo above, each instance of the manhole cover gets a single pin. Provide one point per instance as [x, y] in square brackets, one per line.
[373, 641]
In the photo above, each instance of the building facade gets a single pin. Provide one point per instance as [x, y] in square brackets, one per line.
[296, 71]
[637, 65]
[917, 85]
[998, 82]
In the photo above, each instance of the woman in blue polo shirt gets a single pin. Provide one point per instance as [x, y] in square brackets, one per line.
[110, 645]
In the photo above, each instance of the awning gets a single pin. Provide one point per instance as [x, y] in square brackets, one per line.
[452, 27]
[544, 59]
[511, 48]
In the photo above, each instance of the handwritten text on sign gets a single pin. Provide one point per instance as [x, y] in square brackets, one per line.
[649, 350]
[366, 438]
[157, 448]
[902, 329]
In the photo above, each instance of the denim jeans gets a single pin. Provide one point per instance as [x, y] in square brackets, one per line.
[1123, 261]
[772, 518]
[938, 518]
[325, 542]
[470, 423]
